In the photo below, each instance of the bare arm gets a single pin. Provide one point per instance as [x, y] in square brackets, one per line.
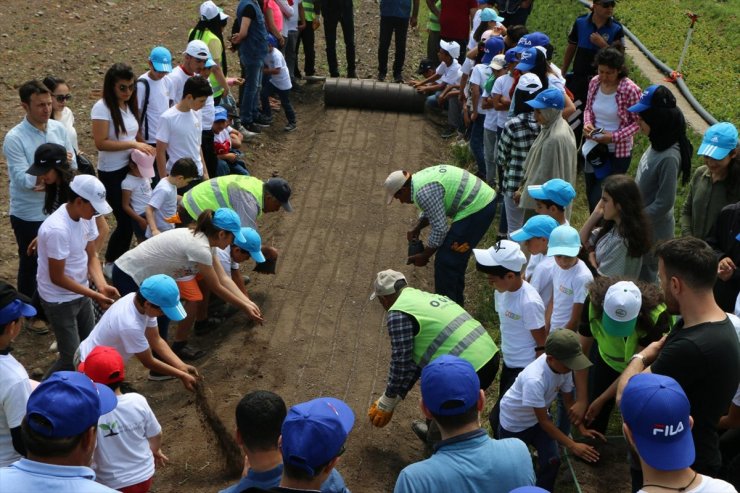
[223, 287]
[162, 159]
[570, 51]
[103, 143]
[433, 8]
[151, 222]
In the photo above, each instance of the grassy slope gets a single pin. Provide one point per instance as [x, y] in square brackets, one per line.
[712, 64]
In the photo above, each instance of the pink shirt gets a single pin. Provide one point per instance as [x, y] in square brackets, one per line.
[277, 15]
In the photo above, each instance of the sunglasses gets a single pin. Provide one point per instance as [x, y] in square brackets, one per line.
[63, 97]
[126, 87]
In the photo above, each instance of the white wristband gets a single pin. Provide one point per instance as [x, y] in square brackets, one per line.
[388, 404]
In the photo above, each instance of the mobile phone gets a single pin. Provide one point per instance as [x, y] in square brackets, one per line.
[596, 131]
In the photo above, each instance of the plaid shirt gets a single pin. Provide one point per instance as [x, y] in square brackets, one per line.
[403, 372]
[513, 146]
[431, 200]
[628, 93]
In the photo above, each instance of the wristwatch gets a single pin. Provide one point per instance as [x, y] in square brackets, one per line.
[640, 357]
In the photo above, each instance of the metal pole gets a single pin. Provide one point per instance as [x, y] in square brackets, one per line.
[694, 17]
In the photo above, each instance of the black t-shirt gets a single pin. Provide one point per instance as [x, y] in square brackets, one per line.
[705, 361]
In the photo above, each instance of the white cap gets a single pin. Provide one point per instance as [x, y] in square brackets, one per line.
[198, 49]
[450, 47]
[622, 304]
[394, 183]
[506, 253]
[385, 283]
[498, 62]
[529, 82]
[209, 10]
[91, 189]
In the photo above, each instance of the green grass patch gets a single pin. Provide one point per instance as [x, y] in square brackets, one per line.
[712, 63]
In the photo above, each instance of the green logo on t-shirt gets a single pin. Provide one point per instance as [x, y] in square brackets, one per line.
[110, 428]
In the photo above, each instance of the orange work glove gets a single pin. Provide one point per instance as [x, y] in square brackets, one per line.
[381, 412]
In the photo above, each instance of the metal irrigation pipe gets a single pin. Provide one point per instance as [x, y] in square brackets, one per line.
[711, 120]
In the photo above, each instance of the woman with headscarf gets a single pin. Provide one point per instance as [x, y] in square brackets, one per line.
[668, 155]
[553, 154]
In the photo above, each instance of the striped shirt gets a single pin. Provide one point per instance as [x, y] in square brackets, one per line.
[514, 143]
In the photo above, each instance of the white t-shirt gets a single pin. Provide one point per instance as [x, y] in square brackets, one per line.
[476, 23]
[275, 59]
[141, 191]
[709, 485]
[176, 83]
[541, 279]
[224, 256]
[291, 23]
[449, 75]
[208, 113]
[164, 202]
[121, 327]
[176, 253]
[519, 313]
[556, 82]
[737, 306]
[568, 287]
[159, 102]
[122, 455]
[605, 111]
[115, 160]
[181, 130]
[536, 386]
[502, 86]
[14, 391]
[479, 76]
[61, 238]
[68, 120]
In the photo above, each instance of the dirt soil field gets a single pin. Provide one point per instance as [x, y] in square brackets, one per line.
[321, 336]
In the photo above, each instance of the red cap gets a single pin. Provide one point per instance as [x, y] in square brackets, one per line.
[103, 365]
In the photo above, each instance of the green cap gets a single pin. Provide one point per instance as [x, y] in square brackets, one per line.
[564, 346]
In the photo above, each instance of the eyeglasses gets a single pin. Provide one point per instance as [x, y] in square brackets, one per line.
[63, 97]
[126, 87]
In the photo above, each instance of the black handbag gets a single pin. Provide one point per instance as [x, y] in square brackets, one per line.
[85, 166]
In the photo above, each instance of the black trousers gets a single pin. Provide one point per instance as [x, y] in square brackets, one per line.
[600, 377]
[309, 62]
[340, 15]
[398, 27]
[209, 152]
[120, 238]
[508, 376]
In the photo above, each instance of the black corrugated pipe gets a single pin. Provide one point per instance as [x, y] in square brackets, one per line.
[373, 95]
[667, 71]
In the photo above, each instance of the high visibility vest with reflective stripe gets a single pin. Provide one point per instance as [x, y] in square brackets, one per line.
[617, 351]
[214, 193]
[308, 11]
[465, 193]
[433, 21]
[207, 36]
[444, 328]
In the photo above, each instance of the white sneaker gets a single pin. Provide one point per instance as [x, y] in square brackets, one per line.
[108, 270]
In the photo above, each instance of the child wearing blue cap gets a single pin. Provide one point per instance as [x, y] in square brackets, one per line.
[535, 236]
[276, 80]
[226, 142]
[15, 387]
[714, 185]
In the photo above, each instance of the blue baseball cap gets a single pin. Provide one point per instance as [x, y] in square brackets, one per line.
[539, 226]
[719, 140]
[252, 243]
[314, 432]
[161, 59]
[494, 46]
[272, 40]
[162, 290]
[490, 15]
[13, 305]
[556, 190]
[228, 220]
[528, 60]
[657, 410]
[210, 63]
[221, 114]
[449, 386]
[532, 40]
[69, 403]
[512, 56]
[549, 98]
[654, 97]
[564, 240]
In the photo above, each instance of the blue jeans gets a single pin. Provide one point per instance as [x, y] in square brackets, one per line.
[449, 265]
[249, 109]
[476, 145]
[268, 89]
[548, 457]
[72, 321]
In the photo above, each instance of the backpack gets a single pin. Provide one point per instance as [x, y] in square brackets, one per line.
[142, 117]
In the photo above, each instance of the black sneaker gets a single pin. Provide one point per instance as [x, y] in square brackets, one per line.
[254, 128]
[420, 429]
[290, 127]
[448, 132]
[186, 353]
[381, 77]
[397, 79]
[159, 377]
[263, 121]
[352, 75]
